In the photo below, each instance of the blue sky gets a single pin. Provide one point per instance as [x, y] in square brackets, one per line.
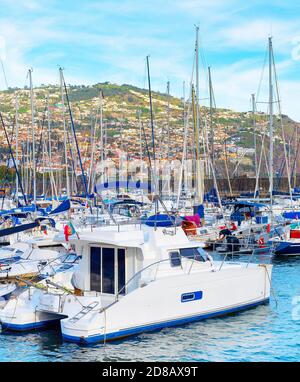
[108, 40]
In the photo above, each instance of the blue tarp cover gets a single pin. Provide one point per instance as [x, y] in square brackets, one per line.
[291, 215]
[162, 220]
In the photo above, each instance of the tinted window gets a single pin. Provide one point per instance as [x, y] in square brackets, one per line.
[121, 270]
[194, 253]
[175, 259]
[95, 269]
[108, 270]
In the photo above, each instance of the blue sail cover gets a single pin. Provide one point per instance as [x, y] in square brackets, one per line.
[162, 220]
[291, 215]
[211, 196]
[16, 210]
[20, 228]
[64, 206]
[25, 227]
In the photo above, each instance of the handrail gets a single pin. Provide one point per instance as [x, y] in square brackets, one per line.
[142, 270]
[138, 273]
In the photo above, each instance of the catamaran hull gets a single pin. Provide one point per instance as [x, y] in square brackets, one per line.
[25, 327]
[161, 304]
[157, 326]
[27, 319]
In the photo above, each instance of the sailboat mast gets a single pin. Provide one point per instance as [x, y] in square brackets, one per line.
[211, 96]
[101, 125]
[141, 146]
[296, 157]
[52, 181]
[271, 123]
[65, 133]
[197, 80]
[152, 130]
[33, 137]
[43, 160]
[199, 193]
[17, 146]
[151, 112]
[254, 132]
[168, 137]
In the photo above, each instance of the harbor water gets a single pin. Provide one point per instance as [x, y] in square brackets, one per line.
[266, 333]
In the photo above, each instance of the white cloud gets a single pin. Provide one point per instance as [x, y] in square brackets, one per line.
[108, 41]
[253, 34]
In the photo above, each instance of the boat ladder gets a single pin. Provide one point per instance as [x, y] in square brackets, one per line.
[85, 310]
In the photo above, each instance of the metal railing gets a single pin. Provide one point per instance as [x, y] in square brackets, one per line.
[155, 264]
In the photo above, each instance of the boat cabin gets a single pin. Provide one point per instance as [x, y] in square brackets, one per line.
[117, 260]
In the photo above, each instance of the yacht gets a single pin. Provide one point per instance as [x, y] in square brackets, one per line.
[137, 278]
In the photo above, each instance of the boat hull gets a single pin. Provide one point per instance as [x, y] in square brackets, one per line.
[160, 325]
[287, 248]
[162, 304]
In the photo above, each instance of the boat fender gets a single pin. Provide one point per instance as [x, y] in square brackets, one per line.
[261, 242]
[233, 226]
[67, 232]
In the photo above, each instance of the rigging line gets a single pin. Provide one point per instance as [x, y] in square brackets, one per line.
[75, 138]
[144, 79]
[41, 135]
[186, 117]
[262, 74]
[11, 139]
[282, 127]
[4, 74]
[72, 160]
[92, 173]
[214, 175]
[260, 162]
[295, 161]
[152, 175]
[13, 158]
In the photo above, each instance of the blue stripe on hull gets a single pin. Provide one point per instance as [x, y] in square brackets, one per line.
[29, 326]
[161, 325]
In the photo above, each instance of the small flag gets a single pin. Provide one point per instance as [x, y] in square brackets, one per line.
[69, 230]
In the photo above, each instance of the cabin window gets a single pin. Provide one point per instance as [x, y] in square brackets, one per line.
[121, 270]
[197, 254]
[175, 259]
[108, 270]
[95, 269]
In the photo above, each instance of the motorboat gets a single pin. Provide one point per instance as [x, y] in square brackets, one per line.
[137, 278]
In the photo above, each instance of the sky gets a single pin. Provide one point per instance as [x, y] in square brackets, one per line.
[108, 40]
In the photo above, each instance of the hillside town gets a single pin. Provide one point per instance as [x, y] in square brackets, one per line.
[125, 110]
